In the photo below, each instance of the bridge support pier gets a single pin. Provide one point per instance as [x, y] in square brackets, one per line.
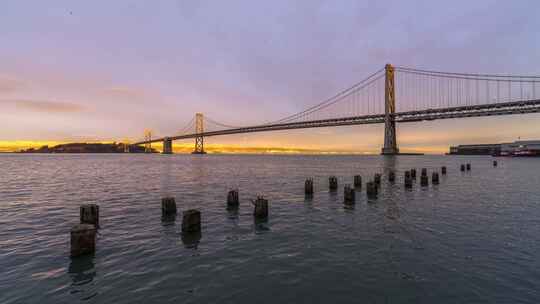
[167, 146]
[390, 142]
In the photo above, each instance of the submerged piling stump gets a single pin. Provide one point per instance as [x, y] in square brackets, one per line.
[424, 181]
[371, 190]
[232, 198]
[168, 206]
[261, 208]
[413, 173]
[332, 183]
[358, 181]
[377, 179]
[348, 195]
[391, 176]
[83, 239]
[468, 167]
[191, 221]
[435, 178]
[89, 214]
[443, 170]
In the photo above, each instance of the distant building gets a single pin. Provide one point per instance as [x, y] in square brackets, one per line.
[517, 148]
[481, 149]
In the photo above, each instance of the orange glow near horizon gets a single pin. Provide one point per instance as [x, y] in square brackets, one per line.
[18, 145]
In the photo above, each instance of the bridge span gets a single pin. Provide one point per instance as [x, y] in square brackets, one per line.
[423, 95]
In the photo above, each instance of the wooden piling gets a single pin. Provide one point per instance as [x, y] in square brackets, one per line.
[371, 190]
[424, 172]
[424, 181]
[261, 208]
[358, 181]
[332, 183]
[495, 163]
[408, 181]
[413, 173]
[83, 239]
[168, 206]
[443, 170]
[391, 176]
[377, 179]
[348, 195]
[191, 221]
[232, 198]
[308, 187]
[468, 167]
[89, 214]
[462, 168]
[435, 178]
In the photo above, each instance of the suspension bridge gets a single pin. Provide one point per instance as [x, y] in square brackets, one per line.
[391, 95]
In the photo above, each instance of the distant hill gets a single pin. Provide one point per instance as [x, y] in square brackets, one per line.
[86, 148]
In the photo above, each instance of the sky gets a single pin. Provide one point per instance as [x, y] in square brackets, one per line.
[108, 70]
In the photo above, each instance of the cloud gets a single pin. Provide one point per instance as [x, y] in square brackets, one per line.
[8, 85]
[126, 93]
[43, 106]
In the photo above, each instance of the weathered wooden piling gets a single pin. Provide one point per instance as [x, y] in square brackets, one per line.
[462, 168]
[377, 179]
[424, 181]
[413, 173]
[308, 187]
[443, 170]
[83, 239]
[191, 220]
[348, 195]
[168, 206]
[495, 163]
[371, 189]
[261, 207]
[332, 183]
[408, 181]
[468, 167]
[435, 178]
[407, 174]
[232, 198]
[89, 214]
[358, 181]
[424, 172]
[391, 176]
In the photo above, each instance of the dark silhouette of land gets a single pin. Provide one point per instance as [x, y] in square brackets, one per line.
[87, 148]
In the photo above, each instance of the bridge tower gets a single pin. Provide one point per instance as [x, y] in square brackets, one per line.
[199, 129]
[167, 145]
[148, 144]
[390, 142]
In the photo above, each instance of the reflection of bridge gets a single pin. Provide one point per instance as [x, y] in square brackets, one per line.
[422, 95]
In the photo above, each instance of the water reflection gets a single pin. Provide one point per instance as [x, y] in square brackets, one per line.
[168, 220]
[232, 214]
[82, 272]
[191, 240]
[260, 224]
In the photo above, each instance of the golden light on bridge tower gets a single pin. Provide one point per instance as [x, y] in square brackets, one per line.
[147, 139]
[390, 142]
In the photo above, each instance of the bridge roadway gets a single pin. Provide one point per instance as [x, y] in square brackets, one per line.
[504, 108]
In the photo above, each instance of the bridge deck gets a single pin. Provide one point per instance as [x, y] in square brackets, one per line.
[505, 108]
